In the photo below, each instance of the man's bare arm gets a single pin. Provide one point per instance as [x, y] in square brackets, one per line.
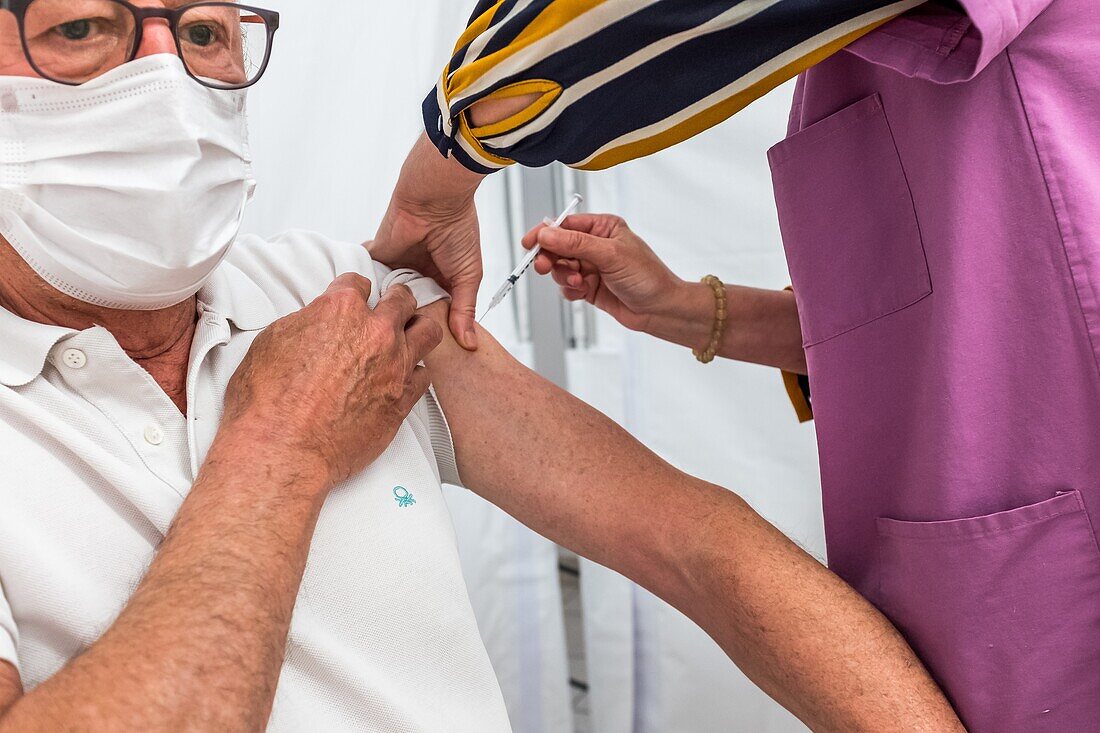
[572, 475]
[200, 644]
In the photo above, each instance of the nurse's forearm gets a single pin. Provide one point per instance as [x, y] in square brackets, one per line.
[574, 476]
[762, 327]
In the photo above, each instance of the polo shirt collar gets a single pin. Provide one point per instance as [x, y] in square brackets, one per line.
[230, 293]
[26, 346]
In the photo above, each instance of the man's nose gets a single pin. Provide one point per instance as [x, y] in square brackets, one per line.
[157, 38]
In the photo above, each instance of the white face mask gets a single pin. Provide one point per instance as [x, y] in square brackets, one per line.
[128, 191]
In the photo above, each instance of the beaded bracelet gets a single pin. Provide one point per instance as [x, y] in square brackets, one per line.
[721, 313]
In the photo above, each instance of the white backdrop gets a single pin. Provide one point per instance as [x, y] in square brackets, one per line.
[331, 125]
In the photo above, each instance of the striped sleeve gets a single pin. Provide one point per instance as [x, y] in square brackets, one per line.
[615, 80]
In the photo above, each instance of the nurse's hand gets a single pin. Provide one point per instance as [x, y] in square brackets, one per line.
[431, 226]
[327, 388]
[597, 258]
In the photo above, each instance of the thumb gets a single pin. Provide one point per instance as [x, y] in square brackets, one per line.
[464, 311]
[578, 246]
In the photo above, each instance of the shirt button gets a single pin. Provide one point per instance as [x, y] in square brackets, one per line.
[154, 435]
[74, 358]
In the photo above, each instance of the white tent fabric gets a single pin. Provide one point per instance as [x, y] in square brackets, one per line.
[331, 124]
[706, 207]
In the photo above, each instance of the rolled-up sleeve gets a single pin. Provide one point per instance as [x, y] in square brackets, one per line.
[615, 80]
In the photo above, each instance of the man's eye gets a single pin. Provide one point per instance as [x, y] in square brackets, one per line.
[201, 35]
[76, 30]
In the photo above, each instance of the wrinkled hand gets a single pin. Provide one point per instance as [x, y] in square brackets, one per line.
[330, 385]
[432, 226]
[595, 257]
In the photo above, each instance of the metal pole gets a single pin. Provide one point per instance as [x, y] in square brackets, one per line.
[541, 197]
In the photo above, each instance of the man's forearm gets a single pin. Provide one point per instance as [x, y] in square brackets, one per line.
[763, 326]
[429, 179]
[200, 644]
[574, 476]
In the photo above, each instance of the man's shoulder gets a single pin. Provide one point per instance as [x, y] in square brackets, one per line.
[285, 273]
[293, 268]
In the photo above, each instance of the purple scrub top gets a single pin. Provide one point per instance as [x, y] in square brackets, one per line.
[939, 197]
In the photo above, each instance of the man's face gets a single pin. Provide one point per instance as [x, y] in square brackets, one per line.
[77, 40]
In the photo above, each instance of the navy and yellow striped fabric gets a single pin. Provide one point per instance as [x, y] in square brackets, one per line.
[616, 80]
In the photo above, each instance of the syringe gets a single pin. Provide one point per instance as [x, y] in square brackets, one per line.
[510, 283]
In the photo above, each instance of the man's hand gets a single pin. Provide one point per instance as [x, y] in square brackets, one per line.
[333, 382]
[431, 225]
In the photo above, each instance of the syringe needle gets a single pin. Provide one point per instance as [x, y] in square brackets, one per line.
[510, 283]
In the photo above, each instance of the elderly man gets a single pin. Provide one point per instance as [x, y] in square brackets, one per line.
[220, 472]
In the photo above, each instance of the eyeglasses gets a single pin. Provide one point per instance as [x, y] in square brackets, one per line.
[223, 45]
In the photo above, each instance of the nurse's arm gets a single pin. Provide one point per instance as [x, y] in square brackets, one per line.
[574, 476]
[598, 259]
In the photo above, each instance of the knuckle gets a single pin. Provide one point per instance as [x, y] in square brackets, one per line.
[353, 280]
[406, 295]
[326, 306]
[395, 390]
[341, 301]
[400, 300]
[342, 278]
[385, 338]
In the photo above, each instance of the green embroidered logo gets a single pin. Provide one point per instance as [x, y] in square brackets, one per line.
[403, 498]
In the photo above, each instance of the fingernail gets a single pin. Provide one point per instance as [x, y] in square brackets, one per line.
[470, 339]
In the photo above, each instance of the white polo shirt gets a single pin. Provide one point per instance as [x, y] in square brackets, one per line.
[95, 461]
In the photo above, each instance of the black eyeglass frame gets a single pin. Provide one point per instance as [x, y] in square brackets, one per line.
[19, 9]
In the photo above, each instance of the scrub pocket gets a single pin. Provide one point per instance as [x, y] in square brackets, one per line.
[1005, 611]
[849, 224]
